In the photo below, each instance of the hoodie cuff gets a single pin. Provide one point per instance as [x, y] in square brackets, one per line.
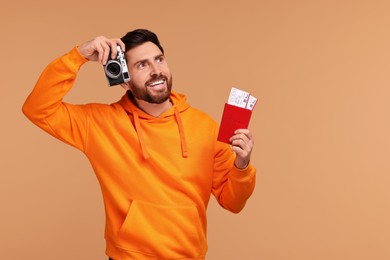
[74, 59]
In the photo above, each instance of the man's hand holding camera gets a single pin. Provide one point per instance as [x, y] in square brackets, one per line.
[100, 48]
[109, 53]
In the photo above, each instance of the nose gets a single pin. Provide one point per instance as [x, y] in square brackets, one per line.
[154, 69]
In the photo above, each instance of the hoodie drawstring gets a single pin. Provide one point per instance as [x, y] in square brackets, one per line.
[140, 135]
[138, 128]
[183, 142]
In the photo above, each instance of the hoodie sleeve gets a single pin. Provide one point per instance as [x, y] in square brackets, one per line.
[232, 187]
[45, 108]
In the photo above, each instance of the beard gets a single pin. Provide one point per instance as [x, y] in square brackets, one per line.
[146, 94]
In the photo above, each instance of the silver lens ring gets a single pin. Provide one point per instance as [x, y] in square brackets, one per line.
[113, 69]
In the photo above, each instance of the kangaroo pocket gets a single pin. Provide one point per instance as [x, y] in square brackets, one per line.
[167, 232]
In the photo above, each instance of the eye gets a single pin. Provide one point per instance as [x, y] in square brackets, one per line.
[141, 65]
[160, 59]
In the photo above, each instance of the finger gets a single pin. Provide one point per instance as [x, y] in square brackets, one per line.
[239, 136]
[243, 142]
[105, 53]
[99, 50]
[245, 132]
[113, 46]
[244, 135]
[242, 150]
[121, 44]
[239, 143]
[98, 47]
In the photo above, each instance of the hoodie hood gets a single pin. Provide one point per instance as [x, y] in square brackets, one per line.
[179, 105]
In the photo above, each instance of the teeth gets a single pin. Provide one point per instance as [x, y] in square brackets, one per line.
[156, 83]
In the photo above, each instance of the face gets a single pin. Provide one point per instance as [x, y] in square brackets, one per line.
[150, 77]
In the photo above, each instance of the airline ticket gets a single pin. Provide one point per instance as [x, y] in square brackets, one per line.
[242, 99]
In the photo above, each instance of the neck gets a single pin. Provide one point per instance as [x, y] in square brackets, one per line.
[153, 109]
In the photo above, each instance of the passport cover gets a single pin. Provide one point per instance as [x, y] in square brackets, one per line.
[233, 118]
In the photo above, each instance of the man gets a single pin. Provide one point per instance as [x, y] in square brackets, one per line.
[157, 159]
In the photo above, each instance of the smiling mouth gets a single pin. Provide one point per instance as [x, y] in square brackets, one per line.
[155, 83]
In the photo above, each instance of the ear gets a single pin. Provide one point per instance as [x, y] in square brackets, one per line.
[125, 85]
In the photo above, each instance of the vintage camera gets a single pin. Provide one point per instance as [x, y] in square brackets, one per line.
[116, 69]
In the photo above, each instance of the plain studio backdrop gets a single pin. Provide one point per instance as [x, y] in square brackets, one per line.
[320, 70]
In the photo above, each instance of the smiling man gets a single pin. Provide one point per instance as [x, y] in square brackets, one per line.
[157, 158]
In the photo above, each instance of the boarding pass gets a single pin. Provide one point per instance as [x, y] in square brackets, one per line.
[241, 99]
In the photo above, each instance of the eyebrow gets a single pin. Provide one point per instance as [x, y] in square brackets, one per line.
[145, 60]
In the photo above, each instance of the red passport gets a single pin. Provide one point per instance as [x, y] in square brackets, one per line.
[233, 118]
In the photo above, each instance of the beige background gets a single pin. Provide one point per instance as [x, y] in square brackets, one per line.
[321, 72]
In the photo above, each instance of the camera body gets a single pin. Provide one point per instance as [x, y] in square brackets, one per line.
[116, 69]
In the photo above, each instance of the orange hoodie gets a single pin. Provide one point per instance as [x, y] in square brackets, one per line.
[156, 173]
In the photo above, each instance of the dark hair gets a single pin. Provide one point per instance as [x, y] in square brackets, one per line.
[137, 37]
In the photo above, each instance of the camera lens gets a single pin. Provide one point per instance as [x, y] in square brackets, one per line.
[113, 69]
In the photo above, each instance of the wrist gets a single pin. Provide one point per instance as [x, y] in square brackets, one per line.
[241, 166]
